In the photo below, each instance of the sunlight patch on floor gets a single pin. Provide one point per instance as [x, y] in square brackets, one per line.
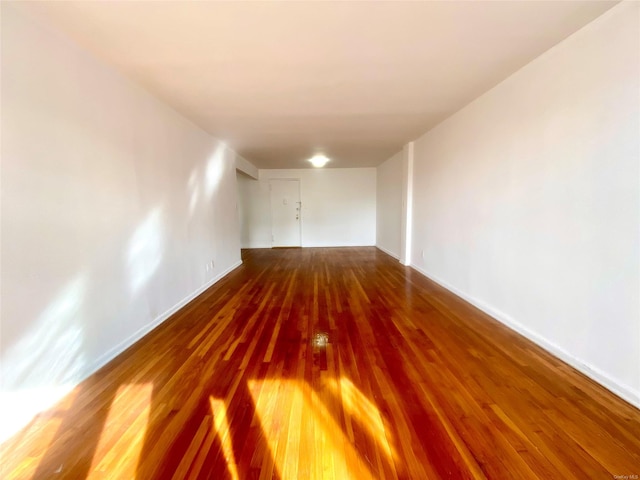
[221, 428]
[123, 434]
[359, 407]
[304, 432]
[47, 425]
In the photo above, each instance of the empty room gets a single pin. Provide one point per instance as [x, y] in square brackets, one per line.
[320, 240]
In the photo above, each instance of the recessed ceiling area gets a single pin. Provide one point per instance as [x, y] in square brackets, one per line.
[280, 81]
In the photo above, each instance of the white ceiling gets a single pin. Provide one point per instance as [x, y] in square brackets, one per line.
[279, 81]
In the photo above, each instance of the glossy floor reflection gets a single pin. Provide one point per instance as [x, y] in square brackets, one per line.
[330, 363]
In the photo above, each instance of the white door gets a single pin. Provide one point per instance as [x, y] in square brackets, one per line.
[285, 213]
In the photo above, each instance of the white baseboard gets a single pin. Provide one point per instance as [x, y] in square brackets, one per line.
[623, 391]
[334, 245]
[53, 396]
[312, 245]
[134, 337]
[388, 252]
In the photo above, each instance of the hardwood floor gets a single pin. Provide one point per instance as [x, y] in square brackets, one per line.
[331, 363]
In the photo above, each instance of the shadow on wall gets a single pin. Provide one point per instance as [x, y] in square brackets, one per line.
[145, 251]
[54, 354]
[47, 362]
[108, 303]
[214, 173]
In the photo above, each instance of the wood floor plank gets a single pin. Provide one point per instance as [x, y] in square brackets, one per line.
[330, 363]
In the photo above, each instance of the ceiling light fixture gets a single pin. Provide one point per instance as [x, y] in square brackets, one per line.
[318, 161]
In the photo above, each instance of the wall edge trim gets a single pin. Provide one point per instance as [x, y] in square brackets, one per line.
[146, 329]
[113, 352]
[388, 252]
[622, 391]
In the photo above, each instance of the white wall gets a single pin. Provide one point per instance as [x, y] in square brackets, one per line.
[527, 201]
[255, 212]
[338, 207]
[389, 205]
[112, 207]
